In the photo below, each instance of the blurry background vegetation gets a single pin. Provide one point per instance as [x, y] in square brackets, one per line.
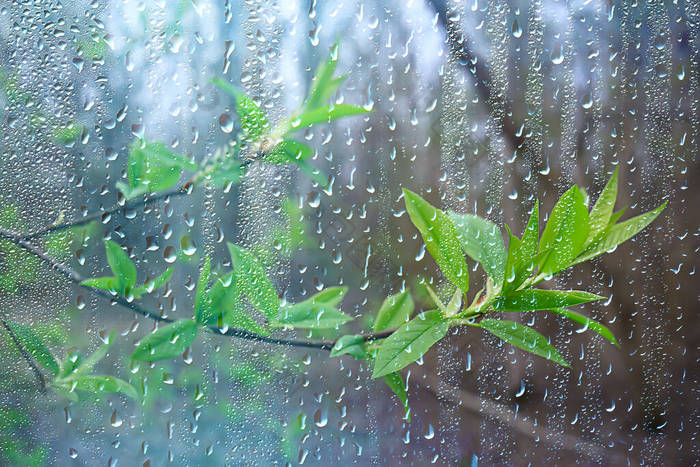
[480, 106]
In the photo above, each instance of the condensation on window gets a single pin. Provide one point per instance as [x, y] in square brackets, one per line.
[187, 166]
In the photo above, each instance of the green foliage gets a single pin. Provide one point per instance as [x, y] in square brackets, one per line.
[572, 235]
[410, 342]
[17, 267]
[395, 311]
[440, 237]
[124, 280]
[152, 167]
[15, 450]
[253, 282]
[352, 345]
[317, 312]
[538, 299]
[167, 342]
[398, 386]
[33, 344]
[74, 372]
[566, 232]
[523, 337]
[481, 240]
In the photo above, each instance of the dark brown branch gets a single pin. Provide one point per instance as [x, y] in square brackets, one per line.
[75, 277]
[25, 353]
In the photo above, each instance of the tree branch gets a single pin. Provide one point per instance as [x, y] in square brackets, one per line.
[184, 189]
[25, 353]
[72, 275]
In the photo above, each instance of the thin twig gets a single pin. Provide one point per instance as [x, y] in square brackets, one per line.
[25, 353]
[184, 189]
[75, 277]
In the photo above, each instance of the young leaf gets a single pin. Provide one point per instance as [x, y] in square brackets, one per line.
[167, 342]
[104, 384]
[253, 281]
[89, 363]
[521, 260]
[482, 241]
[324, 85]
[288, 151]
[253, 120]
[440, 237]
[395, 311]
[154, 284]
[201, 300]
[588, 323]
[224, 309]
[603, 210]
[397, 385]
[153, 167]
[566, 231]
[524, 338]
[308, 314]
[351, 345]
[408, 343]
[325, 115]
[33, 344]
[109, 284]
[455, 304]
[236, 318]
[122, 266]
[619, 233]
[331, 295]
[538, 299]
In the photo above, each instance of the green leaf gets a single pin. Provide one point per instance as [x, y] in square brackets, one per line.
[288, 151]
[524, 338]
[521, 260]
[410, 342]
[33, 344]
[398, 386]
[121, 265]
[71, 363]
[619, 233]
[237, 318]
[154, 284]
[311, 315]
[351, 345]
[89, 363]
[325, 115]
[167, 342]
[566, 232]
[253, 281]
[330, 295]
[253, 121]
[110, 284]
[201, 300]
[538, 299]
[324, 85]
[440, 237]
[588, 323]
[153, 167]
[395, 311]
[104, 384]
[482, 241]
[603, 210]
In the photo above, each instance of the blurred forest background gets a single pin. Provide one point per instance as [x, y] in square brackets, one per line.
[481, 106]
